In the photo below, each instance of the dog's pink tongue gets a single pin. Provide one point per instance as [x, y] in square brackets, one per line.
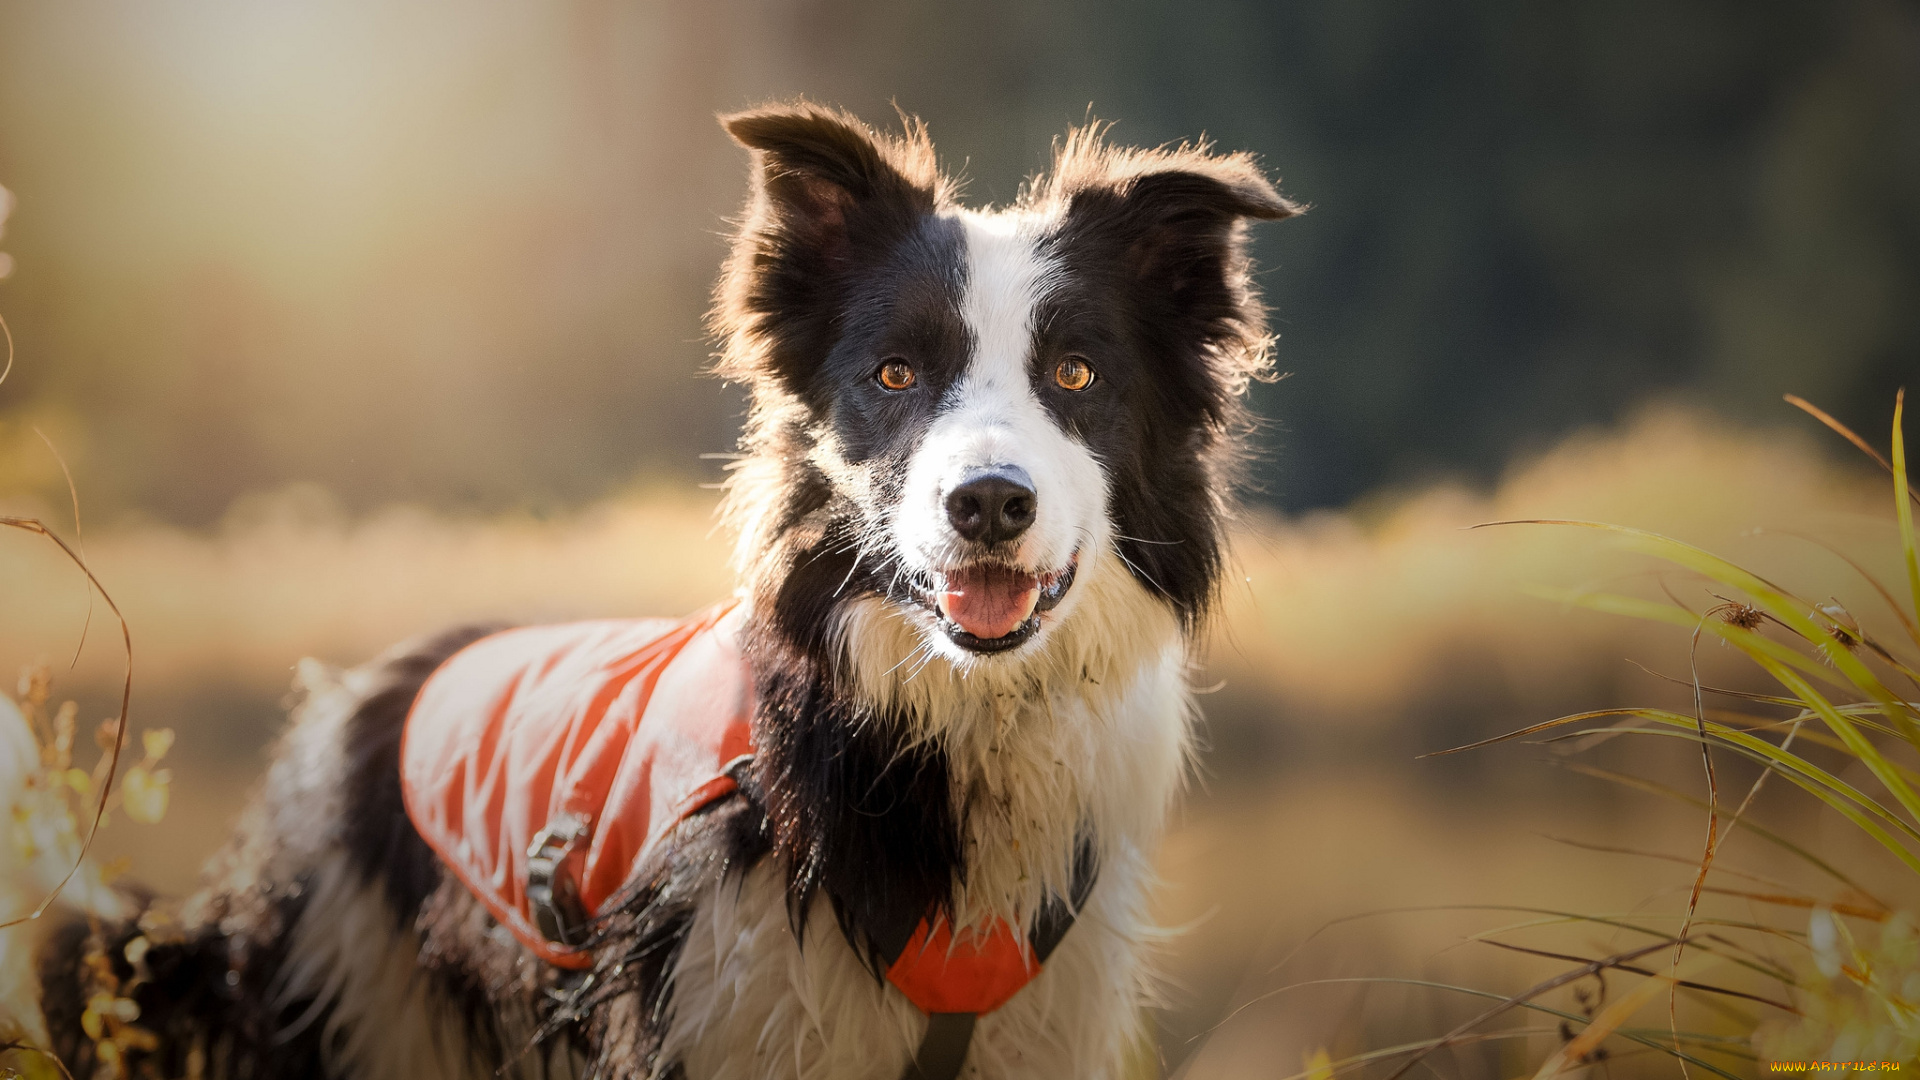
[989, 601]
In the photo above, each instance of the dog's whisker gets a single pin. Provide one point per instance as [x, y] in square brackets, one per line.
[1138, 540]
[1131, 565]
[907, 658]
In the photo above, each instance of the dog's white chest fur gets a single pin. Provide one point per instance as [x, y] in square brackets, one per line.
[1038, 771]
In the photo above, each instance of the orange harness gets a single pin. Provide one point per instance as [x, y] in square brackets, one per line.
[545, 764]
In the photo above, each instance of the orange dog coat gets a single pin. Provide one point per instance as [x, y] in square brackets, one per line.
[599, 735]
[559, 757]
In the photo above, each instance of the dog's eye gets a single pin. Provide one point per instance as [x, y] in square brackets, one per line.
[1073, 373]
[896, 375]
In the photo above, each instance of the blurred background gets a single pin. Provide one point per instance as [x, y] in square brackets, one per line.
[351, 320]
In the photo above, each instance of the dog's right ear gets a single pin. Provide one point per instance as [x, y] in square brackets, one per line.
[827, 186]
[830, 196]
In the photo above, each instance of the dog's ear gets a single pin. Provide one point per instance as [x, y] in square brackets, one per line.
[1166, 229]
[830, 195]
[1182, 227]
[827, 185]
[1173, 217]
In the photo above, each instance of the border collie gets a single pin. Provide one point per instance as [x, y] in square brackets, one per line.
[981, 509]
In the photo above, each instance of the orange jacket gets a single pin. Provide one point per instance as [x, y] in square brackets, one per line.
[624, 727]
[559, 756]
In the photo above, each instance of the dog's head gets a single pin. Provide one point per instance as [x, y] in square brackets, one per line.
[974, 425]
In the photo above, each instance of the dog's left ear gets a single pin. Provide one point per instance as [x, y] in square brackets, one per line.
[1173, 217]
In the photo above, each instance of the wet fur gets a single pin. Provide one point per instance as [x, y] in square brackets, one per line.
[895, 772]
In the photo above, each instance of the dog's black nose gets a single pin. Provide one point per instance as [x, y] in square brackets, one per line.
[993, 505]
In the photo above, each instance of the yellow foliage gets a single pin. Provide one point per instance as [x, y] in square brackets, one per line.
[1862, 1002]
[157, 742]
[49, 812]
[143, 794]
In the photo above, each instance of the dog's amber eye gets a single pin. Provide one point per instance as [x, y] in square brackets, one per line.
[896, 375]
[1073, 373]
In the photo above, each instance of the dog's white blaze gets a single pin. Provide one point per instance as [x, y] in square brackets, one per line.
[991, 416]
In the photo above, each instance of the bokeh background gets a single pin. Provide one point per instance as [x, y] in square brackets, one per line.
[351, 320]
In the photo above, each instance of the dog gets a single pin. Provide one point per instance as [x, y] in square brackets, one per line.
[981, 509]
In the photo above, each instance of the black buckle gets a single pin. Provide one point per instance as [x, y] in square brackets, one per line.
[553, 899]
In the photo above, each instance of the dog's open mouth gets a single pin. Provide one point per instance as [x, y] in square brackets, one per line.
[990, 607]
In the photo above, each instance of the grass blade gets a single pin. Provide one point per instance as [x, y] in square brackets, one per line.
[1786, 762]
[1783, 607]
[1906, 621]
[1832, 797]
[1706, 988]
[1857, 744]
[1428, 1047]
[1527, 995]
[1903, 499]
[1574, 1053]
[112, 762]
[1673, 615]
[1761, 831]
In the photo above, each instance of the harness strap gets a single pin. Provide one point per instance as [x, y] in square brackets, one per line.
[943, 1048]
[553, 897]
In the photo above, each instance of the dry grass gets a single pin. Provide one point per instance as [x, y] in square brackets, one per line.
[1751, 969]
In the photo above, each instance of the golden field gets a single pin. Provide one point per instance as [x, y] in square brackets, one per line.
[1348, 643]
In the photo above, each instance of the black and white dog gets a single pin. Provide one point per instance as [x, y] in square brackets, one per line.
[981, 511]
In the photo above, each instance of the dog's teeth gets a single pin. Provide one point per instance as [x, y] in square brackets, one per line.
[1033, 601]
